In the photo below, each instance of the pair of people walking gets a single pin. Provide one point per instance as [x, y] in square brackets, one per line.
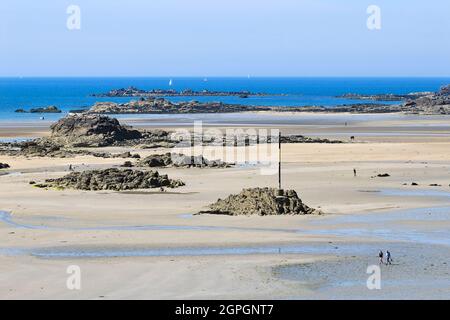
[388, 257]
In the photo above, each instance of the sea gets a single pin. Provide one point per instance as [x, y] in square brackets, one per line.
[76, 93]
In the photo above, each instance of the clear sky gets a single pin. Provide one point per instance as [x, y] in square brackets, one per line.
[224, 38]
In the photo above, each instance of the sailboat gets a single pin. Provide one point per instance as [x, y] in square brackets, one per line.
[170, 82]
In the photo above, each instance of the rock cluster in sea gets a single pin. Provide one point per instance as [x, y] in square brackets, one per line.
[49, 109]
[180, 160]
[433, 103]
[4, 166]
[112, 179]
[159, 105]
[262, 202]
[135, 92]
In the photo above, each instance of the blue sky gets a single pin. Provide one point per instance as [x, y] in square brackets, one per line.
[224, 38]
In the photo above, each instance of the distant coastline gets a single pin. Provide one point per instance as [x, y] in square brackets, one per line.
[423, 102]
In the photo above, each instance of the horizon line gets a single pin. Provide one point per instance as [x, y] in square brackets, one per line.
[219, 76]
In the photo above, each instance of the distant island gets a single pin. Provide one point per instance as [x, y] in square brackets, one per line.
[163, 106]
[135, 92]
[49, 109]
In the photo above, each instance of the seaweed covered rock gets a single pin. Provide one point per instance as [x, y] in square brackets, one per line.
[37, 148]
[261, 201]
[47, 148]
[112, 179]
[90, 131]
[180, 160]
[4, 166]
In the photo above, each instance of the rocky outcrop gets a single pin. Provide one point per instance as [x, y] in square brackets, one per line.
[46, 148]
[135, 92]
[432, 103]
[383, 96]
[90, 131]
[163, 106]
[369, 108]
[444, 91]
[4, 166]
[112, 179]
[180, 160]
[50, 109]
[303, 139]
[37, 148]
[261, 201]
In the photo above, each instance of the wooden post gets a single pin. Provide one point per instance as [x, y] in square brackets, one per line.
[279, 160]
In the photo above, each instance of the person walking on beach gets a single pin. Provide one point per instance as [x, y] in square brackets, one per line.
[354, 172]
[388, 257]
[380, 255]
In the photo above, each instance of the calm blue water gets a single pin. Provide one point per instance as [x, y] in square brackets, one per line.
[73, 93]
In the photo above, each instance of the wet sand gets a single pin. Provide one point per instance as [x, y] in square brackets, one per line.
[148, 244]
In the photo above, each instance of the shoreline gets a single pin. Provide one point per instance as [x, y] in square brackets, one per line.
[379, 212]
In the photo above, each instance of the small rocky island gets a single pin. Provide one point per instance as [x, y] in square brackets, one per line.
[112, 179]
[262, 202]
[164, 106]
[49, 109]
[135, 92]
[418, 102]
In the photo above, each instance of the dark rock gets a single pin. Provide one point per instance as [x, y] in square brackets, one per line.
[383, 175]
[90, 131]
[127, 164]
[261, 201]
[4, 166]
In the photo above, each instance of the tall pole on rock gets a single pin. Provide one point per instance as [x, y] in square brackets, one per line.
[279, 160]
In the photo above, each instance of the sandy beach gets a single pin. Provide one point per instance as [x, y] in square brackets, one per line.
[150, 244]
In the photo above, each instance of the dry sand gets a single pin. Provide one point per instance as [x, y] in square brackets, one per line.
[167, 253]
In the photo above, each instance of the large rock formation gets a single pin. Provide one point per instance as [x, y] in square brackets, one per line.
[112, 179]
[261, 201]
[87, 131]
[432, 103]
[163, 106]
[90, 131]
[180, 160]
[4, 166]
